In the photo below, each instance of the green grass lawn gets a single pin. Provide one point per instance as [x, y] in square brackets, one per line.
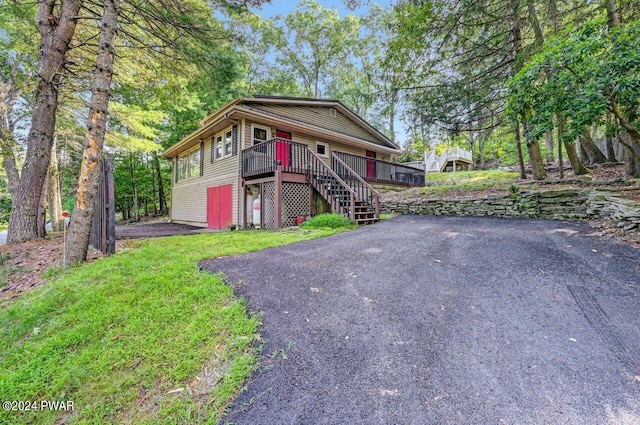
[119, 335]
[468, 180]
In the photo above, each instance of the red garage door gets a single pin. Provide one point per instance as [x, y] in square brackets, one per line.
[219, 206]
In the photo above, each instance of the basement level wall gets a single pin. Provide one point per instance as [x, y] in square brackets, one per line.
[189, 196]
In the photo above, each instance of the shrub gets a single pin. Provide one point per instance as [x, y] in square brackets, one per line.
[331, 221]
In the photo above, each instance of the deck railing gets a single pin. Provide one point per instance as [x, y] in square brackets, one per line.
[264, 158]
[436, 163]
[375, 170]
[340, 195]
[365, 193]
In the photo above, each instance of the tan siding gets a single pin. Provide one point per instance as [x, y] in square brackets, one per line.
[248, 136]
[335, 146]
[189, 197]
[321, 117]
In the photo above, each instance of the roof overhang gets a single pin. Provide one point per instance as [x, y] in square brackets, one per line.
[324, 102]
[311, 130]
[237, 109]
[211, 124]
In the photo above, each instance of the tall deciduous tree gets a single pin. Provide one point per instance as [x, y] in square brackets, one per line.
[311, 41]
[580, 76]
[80, 228]
[57, 21]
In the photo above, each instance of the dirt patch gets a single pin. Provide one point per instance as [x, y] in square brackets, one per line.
[609, 229]
[23, 265]
[154, 230]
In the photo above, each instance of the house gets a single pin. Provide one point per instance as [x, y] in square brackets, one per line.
[267, 161]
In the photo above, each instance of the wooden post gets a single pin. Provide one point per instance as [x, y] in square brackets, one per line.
[111, 206]
[311, 203]
[244, 205]
[278, 197]
[352, 213]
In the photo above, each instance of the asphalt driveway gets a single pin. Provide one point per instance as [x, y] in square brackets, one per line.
[444, 320]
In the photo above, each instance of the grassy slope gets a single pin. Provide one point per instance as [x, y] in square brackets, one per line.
[116, 335]
[468, 181]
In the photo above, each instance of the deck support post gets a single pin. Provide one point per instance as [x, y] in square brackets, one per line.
[278, 198]
[244, 206]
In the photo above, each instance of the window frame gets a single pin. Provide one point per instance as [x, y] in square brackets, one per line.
[222, 145]
[227, 143]
[326, 149]
[186, 169]
[217, 142]
[261, 127]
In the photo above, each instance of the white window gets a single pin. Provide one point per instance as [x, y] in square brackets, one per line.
[194, 163]
[259, 134]
[227, 143]
[217, 147]
[189, 164]
[322, 149]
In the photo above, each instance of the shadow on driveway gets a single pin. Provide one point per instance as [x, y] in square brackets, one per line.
[444, 320]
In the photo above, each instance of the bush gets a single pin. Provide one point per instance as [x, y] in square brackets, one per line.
[331, 221]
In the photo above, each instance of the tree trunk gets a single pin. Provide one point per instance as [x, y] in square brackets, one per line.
[633, 132]
[631, 161]
[41, 222]
[56, 33]
[535, 23]
[392, 113]
[613, 18]
[537, 163]
[154, 192]
[10, 94]
[162, 200]
[611, 153]
[593, 152]
[10, 167]
[523, 171]
[134, 188]
[53, 191]
[630, 155]
[577, 165]
[548, 140]
[80, 229]
[560, 160]
[516, 33]
[583, 153]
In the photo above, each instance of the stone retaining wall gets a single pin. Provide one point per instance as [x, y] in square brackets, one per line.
[625, 212]
[569, 204]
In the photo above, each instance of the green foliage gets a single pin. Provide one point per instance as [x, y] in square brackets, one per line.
[5, 202]
[116, 335]
[328, 221]
[312, 40]
[580, 74]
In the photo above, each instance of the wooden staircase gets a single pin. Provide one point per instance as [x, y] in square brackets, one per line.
[346, 192]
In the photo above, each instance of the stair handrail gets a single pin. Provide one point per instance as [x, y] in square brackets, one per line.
[356, 175]
[375, 194]
[338, 179]
[442, 161]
